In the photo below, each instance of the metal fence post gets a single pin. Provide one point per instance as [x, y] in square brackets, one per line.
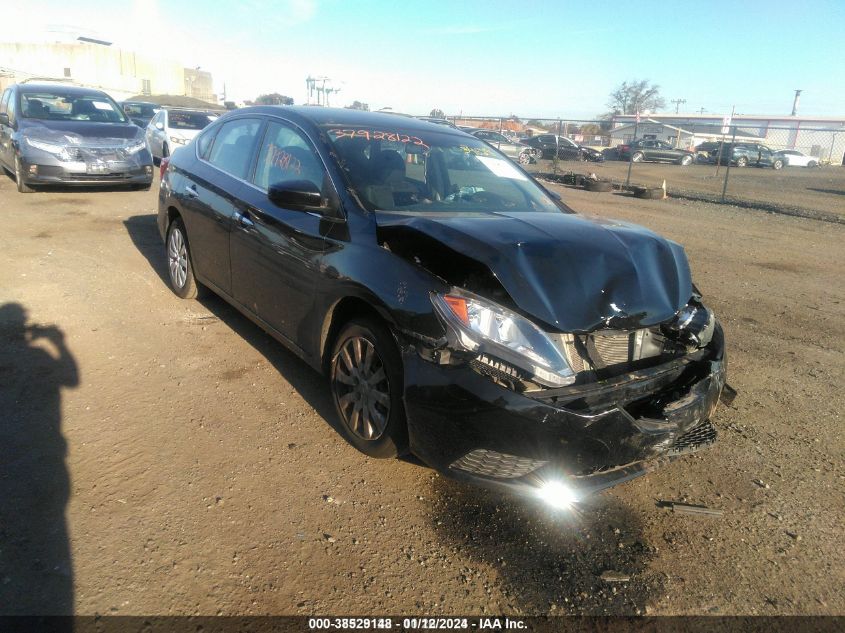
[557, 148]
[728, 168]
[631, 157]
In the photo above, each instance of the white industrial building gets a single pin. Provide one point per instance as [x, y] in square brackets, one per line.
[98, 64]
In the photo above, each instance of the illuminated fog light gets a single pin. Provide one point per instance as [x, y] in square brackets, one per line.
[33, 170]
[557, 494]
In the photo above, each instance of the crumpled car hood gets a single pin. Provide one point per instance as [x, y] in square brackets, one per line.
[575, 274]
[87, 133]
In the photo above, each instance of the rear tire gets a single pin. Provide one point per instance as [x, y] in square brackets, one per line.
[179, 266]
[648, 193]
[19, 181]
[812, 163]
[742, 161]
[685, 160]
[638, 157]
[366, 382]
[777, 163]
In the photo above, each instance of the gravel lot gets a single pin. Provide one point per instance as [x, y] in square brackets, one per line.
[166, 457]
[816, 193]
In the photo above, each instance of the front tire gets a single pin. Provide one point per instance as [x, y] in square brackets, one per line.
[777, 164]
[19, 181]
[179, 266]
[812, 163]
[742, 161]
[637, 157]
[685, 160]
[366, 384]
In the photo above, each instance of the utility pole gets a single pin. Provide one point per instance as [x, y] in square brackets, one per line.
[701, 110]
[795, 102]
[678, 103]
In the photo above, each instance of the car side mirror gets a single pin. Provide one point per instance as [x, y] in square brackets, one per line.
[159, 125]
[297, 194]
[4, 118]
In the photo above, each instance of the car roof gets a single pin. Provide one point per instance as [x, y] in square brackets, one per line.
[319, 116]
[58, 88]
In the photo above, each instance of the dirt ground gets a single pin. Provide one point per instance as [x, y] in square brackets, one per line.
[159, 456]
[817, 192]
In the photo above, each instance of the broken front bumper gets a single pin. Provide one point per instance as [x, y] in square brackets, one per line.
[590, 436]
[45, 170]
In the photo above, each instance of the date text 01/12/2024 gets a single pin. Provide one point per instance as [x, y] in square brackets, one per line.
[415, 623]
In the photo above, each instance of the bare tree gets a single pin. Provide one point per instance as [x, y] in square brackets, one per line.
[438, 113]
[635, 96]
[357, 105]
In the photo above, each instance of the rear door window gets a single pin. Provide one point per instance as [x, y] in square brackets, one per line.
[232, 150]
[287, 155]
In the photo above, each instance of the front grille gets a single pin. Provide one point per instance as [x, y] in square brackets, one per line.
[613, 348]
[610, 348]
[496, 465]
[96, 176]
[700, 436]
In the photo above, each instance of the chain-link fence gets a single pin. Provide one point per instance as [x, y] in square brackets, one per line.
[796, 167]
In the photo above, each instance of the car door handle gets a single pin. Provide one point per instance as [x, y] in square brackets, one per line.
[191, 191]
[244, 220]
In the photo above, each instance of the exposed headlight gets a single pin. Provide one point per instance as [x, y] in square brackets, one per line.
[135, 146]
[487, 328]
[60, 151]
[178, 141]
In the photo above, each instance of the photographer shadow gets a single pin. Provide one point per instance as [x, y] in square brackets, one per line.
[36, 572]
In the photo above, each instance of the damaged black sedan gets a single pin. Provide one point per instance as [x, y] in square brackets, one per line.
[460, 310]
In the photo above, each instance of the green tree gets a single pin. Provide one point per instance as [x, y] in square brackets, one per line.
[357, 105]
[635, 96]
[437, 113]
[273, 98]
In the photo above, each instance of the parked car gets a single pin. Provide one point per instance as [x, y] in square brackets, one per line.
[745, 154]
[172, 128]
[706, 152]
[794, 158]
[523, 154]
[567, 149]
[140, 112]
[54, 134]
[465, 315]
[653, 150]
[438, 121]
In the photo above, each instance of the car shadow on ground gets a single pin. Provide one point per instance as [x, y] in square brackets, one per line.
[548, 561]
[36, 570]
[143, 232]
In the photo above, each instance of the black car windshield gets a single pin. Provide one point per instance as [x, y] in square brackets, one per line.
[139, 110]
[392, 169]
[63, 106]
[189, 120]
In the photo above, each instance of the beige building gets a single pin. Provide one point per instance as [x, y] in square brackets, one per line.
[98, 64]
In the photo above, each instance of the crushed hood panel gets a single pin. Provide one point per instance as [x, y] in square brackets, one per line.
[575, 274]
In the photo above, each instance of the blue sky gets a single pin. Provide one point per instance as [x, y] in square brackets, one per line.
[530, 58]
